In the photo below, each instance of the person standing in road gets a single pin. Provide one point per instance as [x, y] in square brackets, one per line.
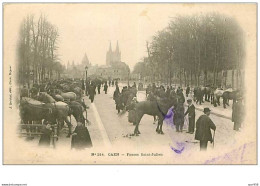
[92, 92]
[105, 88]
[179, 117]
[238, 114]
[191, 112]
[98, 87]
[203, 126]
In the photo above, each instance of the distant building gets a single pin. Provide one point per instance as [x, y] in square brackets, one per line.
[114, 68]
[113, 56]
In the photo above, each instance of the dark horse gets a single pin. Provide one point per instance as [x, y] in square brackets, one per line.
[159, 108]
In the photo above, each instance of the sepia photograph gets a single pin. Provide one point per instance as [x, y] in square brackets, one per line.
[130, 83]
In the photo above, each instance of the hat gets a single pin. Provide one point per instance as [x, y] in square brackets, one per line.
[189, 100]
[206, 110]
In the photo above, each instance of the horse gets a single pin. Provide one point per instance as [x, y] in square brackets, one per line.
[32, 110]
[61, 110]
[227, 95]
[67, 95]
[206, 92]
[157, 108]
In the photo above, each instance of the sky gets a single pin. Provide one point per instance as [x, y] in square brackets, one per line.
[88, 28]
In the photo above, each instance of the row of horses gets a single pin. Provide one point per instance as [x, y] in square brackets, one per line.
[54, 106]
[160, 106]
[213, 95]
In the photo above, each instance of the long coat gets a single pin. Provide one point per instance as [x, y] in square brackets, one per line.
[179, 115]
[45, 139]
[191, 112]
[92, 92]
[203, 126]
[82, 139]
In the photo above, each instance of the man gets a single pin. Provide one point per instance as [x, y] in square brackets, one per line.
[92, 92]
[203, 126]
[98, 87]
[191, 112]
[187, 91]
[134, 85]
[179, 117]
[238, 114]
[180, 96]
[199, 96]
[105, 88]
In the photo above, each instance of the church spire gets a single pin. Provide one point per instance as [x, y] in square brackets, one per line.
[117, 47]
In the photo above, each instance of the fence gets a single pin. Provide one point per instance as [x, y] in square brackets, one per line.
[34, 130]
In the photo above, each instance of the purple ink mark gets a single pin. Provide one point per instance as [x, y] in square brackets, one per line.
[168, 118]
[177, 151]
[180, 146]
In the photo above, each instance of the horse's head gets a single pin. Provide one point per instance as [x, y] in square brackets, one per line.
[46, 98]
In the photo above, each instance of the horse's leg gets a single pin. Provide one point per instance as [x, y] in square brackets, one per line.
[224, 102]
[154, 119]
[158, 128]
[138, 119]
[161, 124]
[227, 102]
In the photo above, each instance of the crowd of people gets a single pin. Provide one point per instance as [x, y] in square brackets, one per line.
[204, 124]
[126, 100]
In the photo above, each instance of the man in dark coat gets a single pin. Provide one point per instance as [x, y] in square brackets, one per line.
[238, 114]
[203, 126]
[80, 137]
[179, 117]
[134, 85]
[199, 96]
[105, 88]
[191, 112]
[98, 87]
[92, 93]
[45, 139]
[180, 96]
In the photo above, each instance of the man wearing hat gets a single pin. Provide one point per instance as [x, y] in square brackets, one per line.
[191, 112]
[203, 126]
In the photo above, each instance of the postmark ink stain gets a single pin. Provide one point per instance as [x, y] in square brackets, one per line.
[177, 151]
